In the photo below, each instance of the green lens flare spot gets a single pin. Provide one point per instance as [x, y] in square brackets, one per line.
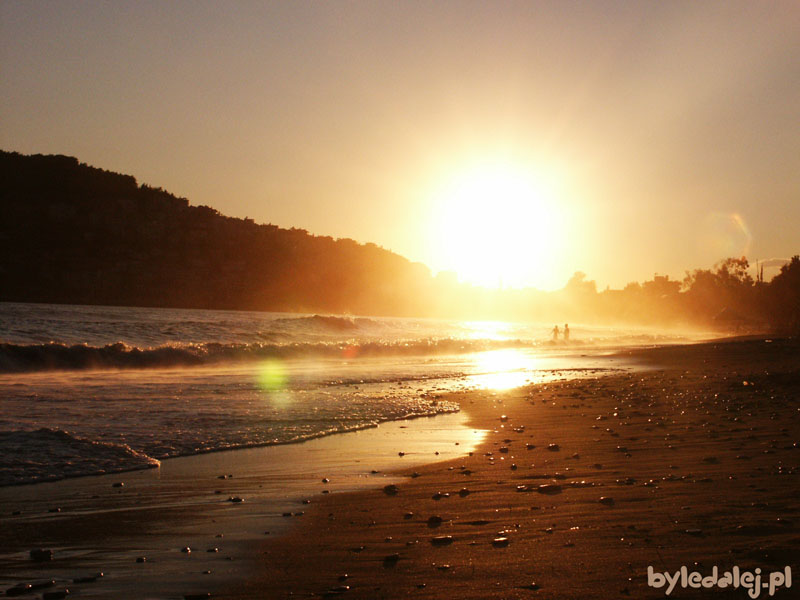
[272, 376]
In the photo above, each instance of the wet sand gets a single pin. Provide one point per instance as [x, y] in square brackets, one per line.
[93, 525]
[691, 460]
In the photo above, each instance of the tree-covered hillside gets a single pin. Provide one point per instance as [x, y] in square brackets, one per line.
[73, 233]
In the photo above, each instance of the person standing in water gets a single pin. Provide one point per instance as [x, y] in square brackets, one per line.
[566, 332]
[555, 333]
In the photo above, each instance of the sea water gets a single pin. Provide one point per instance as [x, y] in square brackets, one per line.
[88, 390]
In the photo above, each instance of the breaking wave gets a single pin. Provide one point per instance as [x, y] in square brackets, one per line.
[326, 323]
[17, 358]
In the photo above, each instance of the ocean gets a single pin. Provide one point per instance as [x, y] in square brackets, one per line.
[86, 390]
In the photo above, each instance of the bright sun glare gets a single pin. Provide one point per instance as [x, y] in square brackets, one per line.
[500, 226]
[502, 369]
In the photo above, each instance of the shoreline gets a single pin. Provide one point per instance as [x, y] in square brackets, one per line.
[669, 465]
[310, 555]
[101, 526]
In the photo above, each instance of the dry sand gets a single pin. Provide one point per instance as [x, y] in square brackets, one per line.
[690, 461]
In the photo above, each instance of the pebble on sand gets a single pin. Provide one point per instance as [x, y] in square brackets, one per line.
[186, 550]
[118, 484]
[41, 555]
[88, 578]
[391, 560]
[531, 586]
[549, 488]
[695, 532]
[391, 489]
[55, 594]
[339, 589]
[553, 447]
[500, 542]
[141, 559]
[608, 501]
[19, 589]
[40, 585]
[442, 540]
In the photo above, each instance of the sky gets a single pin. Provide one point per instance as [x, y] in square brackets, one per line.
[512, 142]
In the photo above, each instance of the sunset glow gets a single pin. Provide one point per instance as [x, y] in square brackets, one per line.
[499, 225]
[442, 271]
[392, 124]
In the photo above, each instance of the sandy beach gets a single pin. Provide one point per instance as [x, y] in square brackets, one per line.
[134, 526]
[578, 487]
[672, 456]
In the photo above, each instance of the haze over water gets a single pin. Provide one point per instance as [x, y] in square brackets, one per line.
[120, 388]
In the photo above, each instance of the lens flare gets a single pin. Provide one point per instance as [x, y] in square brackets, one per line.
[727, 235]
[272, 376]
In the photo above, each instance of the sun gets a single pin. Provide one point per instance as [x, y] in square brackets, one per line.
[499, 225]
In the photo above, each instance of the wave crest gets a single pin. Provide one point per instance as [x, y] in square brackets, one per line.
[16, 358]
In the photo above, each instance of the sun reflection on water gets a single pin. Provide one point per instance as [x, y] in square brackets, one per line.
[503, 369]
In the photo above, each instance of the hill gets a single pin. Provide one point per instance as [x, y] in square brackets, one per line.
[72, 233]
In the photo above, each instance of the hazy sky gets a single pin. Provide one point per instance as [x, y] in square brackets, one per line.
[666, 134]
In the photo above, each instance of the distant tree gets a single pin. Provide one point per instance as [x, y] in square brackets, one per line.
[729, 287]
[784, 297]
[661, 287]
[578, 285]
